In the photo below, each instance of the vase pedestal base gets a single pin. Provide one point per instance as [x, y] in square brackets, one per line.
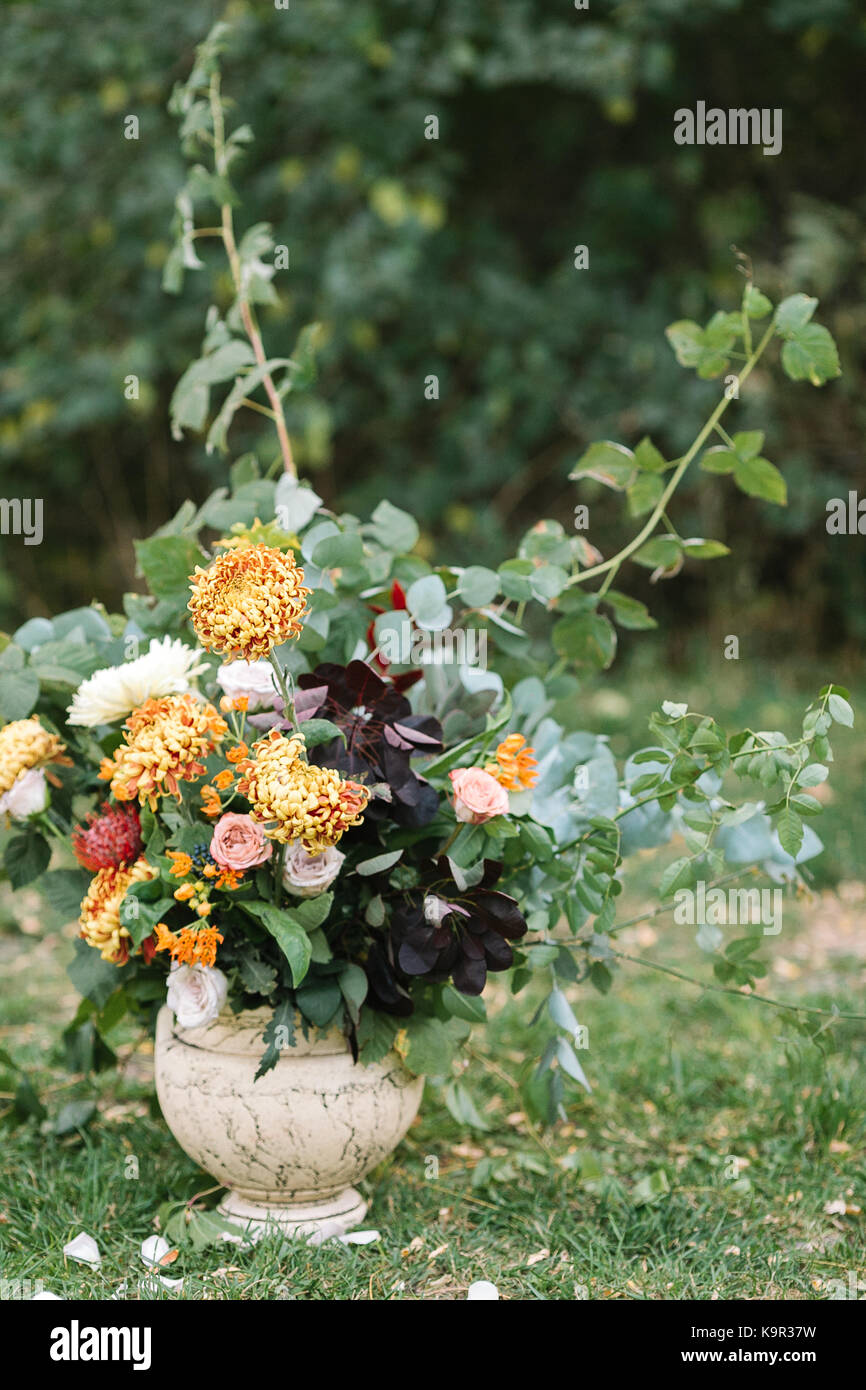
[334, 1216]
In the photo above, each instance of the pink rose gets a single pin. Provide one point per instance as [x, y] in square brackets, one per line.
[239, 843]
[477, 796]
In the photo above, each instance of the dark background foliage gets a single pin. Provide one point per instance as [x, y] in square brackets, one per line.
[452, 257]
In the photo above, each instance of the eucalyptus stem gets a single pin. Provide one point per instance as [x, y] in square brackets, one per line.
[610, 567]
[738, 993]
[248, 318]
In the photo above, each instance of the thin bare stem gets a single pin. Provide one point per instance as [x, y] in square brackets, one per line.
[248, 318]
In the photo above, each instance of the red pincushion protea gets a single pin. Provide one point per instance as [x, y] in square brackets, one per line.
[110, 838]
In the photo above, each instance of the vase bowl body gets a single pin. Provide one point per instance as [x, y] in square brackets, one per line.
[290, 1146]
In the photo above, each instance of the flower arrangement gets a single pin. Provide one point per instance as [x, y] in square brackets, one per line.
[278, 804]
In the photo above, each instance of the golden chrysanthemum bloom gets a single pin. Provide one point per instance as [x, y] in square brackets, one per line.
[163, 744]
[24, 744]
[296, 801]
[248, 601]
[100, 909]
[515, 764]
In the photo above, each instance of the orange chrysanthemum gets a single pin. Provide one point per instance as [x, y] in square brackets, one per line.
[163, 744]
[24, 744]
[100, 910]
[190, 945]
[296, 801]
[248, 601]
[515, 764]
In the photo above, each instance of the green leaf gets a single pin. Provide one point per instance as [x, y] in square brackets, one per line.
[395, 530]
[96, 979]
[790, 830]
[588, 640]
[629, 612]
[755, 304]
[811, 355]
[379, 864]
[26, 857]
[64, 889]
[648, 458]
[19, 686]
[470, 1007]
[759, 478]
[353, 986]
[609, 463]
[478, 586]
[679, 874]
[644, 493]
[340, 551]
[258, 977]
[280, 1029]
[376, 1033]
[167, 562]
[841, 711]
[662, 552]
[319, 1000]
[650, 1188]
[316, 731]
[462, 1107]
[291, 938]
[426, 600]
[430, 1046]
[74, 1115]
[696, 548]
[794, 313]
[705, 349]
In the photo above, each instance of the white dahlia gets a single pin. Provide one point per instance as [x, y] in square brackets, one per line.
[112, 693]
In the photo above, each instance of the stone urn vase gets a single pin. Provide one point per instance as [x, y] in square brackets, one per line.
[290, 1145]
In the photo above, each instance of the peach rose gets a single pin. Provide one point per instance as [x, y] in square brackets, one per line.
[239, 843]
[477, 796]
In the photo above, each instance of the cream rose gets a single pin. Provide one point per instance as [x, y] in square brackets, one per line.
[196, 993]
[477, 796]
[255, 679]
[305, 874]
[27, 796]
[239, 842]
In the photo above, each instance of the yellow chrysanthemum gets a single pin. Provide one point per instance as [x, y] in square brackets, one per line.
[24, 744]
[296, 801]
[164, 742]
[515, 764]
[248, 601]
[100, 910]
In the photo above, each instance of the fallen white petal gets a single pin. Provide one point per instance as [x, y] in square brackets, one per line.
[360, 1237]
[482, 1289]
[153, 1249]
[84, 1249]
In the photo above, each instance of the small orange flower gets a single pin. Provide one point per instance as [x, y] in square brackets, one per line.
[203, 909]
[184, 892]
[241, 703]
[181, 864]
[229, 878]
[515, 764]
[190, 945]
[237, 755]
[224, 779]
[211, 803]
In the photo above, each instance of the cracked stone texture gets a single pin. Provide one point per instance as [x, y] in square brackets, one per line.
[312, 1126]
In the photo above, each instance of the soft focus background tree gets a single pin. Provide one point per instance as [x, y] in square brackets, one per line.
[451, 257]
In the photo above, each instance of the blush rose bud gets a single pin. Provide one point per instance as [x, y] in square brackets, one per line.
[477, 796]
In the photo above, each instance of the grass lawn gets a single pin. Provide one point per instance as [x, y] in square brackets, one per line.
[719, 1156]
